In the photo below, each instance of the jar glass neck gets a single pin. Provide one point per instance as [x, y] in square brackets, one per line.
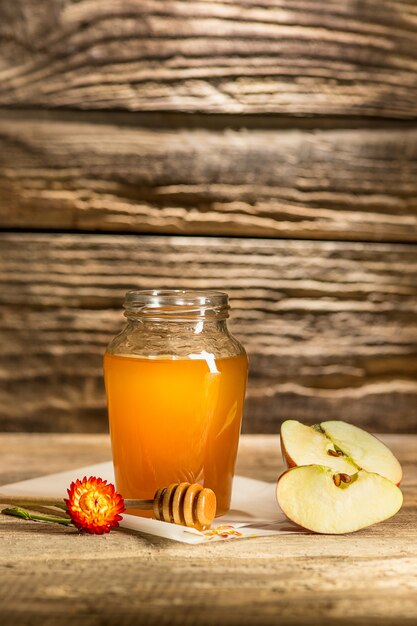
[176, 305]
[180, 326]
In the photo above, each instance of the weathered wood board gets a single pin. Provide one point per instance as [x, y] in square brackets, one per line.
[289, 121]
[50, 575]
[296, 58]
[60, 173]
[330, 327]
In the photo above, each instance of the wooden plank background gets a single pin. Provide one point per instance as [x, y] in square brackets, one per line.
[234, 56]
[330, 327]
[265, 148]
[97, 175]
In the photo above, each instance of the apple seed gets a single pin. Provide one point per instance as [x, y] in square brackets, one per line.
[345, 478]
[337, 479]
[334, 453]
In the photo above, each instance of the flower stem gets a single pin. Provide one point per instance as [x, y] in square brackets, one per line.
[17, 511]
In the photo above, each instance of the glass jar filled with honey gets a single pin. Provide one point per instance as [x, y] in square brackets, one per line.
[175, 383]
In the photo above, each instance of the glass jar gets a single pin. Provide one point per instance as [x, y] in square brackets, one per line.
[175, 383]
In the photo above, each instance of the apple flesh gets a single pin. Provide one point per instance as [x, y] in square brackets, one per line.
[310, 497]
[304, 445]
[367, 451]
[338, 445]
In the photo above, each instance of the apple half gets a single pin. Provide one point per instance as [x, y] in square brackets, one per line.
[338, 445]
[317, 499]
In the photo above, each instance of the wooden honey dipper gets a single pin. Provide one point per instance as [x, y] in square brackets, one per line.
[186, 504]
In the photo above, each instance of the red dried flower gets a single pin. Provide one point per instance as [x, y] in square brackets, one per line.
[94, 505]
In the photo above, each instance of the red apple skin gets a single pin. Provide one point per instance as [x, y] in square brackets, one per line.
[288, 460]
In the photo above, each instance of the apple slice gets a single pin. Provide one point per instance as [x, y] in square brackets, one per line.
[317, 499]
[341, 446]
[305, 445]
[367, 451]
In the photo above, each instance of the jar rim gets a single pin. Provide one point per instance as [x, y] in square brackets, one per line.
[176, 303]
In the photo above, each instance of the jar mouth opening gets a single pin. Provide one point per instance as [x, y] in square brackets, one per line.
[176, 303]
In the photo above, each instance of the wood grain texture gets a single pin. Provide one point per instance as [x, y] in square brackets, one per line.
[286, 57]
[341, 184]
[330, 328]
[49, 575]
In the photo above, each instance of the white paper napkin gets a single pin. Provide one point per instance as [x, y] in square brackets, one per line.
[254, 510]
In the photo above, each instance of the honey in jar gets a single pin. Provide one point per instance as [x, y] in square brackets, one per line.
[175, 382]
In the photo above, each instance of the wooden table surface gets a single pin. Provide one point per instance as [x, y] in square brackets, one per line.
[50, 575]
